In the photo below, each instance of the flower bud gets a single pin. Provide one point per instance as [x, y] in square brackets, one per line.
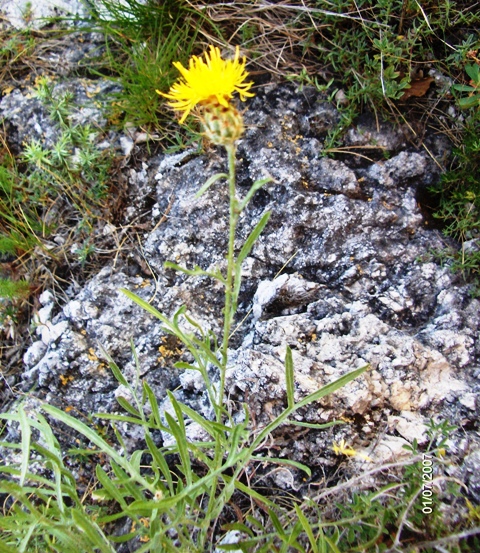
[223, 125]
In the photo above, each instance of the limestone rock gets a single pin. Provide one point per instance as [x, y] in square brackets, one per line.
[24, 14]
[341, 274]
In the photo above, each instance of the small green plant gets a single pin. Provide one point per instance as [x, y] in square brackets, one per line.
[12, 293]
[375, 52]
[70, 176]
[459, 198]
[14, 47]
[18, 225]
[20, 229]
[473, 89]
[304, 79]
[11, 289]
[73, 165]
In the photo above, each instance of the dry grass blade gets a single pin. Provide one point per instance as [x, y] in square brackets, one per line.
[277, 36]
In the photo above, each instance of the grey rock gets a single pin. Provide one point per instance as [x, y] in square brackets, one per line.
[341, 274]
[24, 14]
[28, 119]
[34, 353]
[289, 290]
[471, 469]
[231, 537]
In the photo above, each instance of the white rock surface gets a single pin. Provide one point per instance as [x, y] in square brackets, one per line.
[24, 14]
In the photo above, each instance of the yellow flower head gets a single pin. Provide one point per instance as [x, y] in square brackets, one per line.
[207, 80]
[343, 448]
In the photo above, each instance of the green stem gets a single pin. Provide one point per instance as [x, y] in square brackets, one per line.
[227, 326]
[229, 281]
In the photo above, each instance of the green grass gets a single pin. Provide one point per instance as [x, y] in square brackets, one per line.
[141, 44]
[161, 493]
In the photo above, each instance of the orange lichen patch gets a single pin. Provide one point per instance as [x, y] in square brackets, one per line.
[146, 523]
[143, 284]
[92, 356]
[168, 349]
[65, 379]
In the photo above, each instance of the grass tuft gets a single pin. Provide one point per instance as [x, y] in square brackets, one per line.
[141, 43]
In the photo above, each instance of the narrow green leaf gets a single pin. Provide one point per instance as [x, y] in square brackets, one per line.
[196, 271]
[117, 373]
[292, 540]
[332, 387]
[121, 441]
[187, 366]
[235, 454]
[254, 523]
[281, 461]
[4, 548]
[9, 417]
[289, 377]
[178, 432]
[123, 538]
[308, 529]
[315, 396]
[255, 186]
[239, 527]
[92, 531]
[53, 453]
[125, 404]
[152, 400]
[277, 524]
[136, 459]
[110, 487]
[203, 483]
[45, 482]
[195, 324]
[332, 545]
[246, 249]
[121, 418]
[209, 426]
[160, 461]
[204, 351]
[24, 543]
[254, 494]
[145, 305]
[125, 481]
[253, 236]
[213, 179]
[109, 518]
[89, 433]
[314, 425]
[26, 436]
[463, 87]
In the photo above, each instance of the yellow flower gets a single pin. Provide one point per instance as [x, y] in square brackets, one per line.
[343, 448]
[208, 80]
